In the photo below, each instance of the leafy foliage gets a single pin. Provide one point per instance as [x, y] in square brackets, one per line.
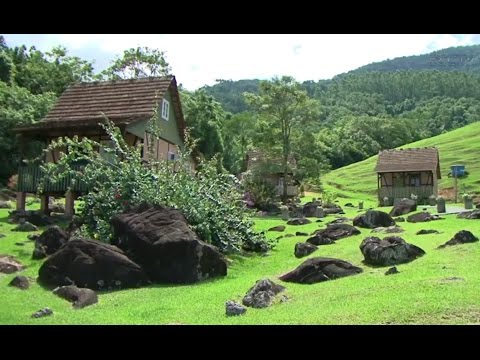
[205, 117]
[283, 109]
[138, 63]
[211, 202]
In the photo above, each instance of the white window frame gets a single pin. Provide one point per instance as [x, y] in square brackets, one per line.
[165, 109]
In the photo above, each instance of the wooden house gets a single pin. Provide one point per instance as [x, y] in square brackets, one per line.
[270, 170]
[404, 172]
[129, 104]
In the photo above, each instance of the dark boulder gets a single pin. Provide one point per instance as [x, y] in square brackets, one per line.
[349, 205]
[262, 294]
[304, 249]
[422, 217]
[320, 269]
[160, 240]
[25, 226]
[300, 233]
[20, 282]
[388, 230]
[399, 219]
[339, 220]
[461, 237]
[391, 250]
[9, 265]
[310, 209]
[333, 232]
[475, 214]
[332, 209]
[91, 264]
[79, 297]
[403, 207]
[392, 270]
[34, 217]
[373, 219]
[277, 228]
[49, 242]
[5, 205]
[427, 231]
[234, 309]
[298, 221]
[41, 313]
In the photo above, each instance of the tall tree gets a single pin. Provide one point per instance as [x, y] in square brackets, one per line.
[283, 109]
[204, 116]
[138, 63]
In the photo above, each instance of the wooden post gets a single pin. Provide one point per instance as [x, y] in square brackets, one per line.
[44, 204]
[69, 203]
[455, 186]
[21, 197]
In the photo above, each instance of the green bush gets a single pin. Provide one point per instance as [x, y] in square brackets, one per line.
[211, 202]
[262, 193]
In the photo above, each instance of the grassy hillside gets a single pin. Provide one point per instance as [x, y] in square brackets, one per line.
[460, 146]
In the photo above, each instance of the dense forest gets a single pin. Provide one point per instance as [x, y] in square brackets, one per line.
[340, 121]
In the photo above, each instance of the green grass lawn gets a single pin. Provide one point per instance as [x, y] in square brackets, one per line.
[460, 146]
[420, 294]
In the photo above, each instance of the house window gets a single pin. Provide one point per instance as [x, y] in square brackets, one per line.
[172, 156]
[414, 180]
[165, 109]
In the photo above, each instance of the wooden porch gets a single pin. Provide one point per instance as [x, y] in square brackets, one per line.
[29, 177]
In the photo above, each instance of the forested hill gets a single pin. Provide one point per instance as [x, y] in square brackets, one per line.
[461, 58]
[229, 93]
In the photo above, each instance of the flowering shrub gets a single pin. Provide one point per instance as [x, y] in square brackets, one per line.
[211, 202]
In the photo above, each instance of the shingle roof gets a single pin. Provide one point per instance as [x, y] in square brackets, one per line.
[416, 159]
[122, 101]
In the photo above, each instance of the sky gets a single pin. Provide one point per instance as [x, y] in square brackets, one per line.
[198, 60]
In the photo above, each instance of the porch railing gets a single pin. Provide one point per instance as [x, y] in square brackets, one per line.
[29, 177]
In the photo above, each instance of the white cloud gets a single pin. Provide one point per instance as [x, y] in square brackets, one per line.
[200, 59]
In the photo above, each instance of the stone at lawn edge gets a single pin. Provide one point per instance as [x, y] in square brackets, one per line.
[373, 219]
[86, 262]
[20, 282]
[303, 249]
[26, 226]
[393, 270]
[333, 232]
[234, 309]
[5, 205]
[41, 313]
[475, 214]
[277, 228]
[160, 240]
[298, 221]
[49, 242]
[9, 265]
[79, 297]
[461, 237]
[388, 230]
[262, 294]
[320, 269]
[391, 250]
[422, 217]
[427, 231]
[403, 207]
